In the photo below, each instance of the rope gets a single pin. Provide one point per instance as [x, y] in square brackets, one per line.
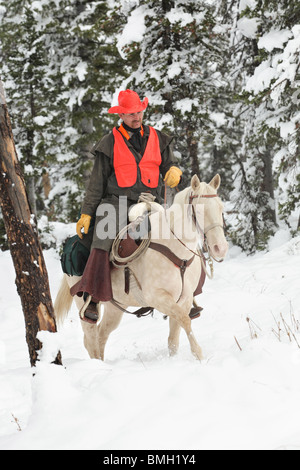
[147, 198]
[137, 253]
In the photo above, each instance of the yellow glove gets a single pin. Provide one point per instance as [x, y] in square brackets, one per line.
[83, 222]
[172, 177]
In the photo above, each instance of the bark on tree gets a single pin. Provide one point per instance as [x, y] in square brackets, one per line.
[31, 273]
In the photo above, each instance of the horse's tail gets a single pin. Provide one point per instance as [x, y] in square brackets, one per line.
[63, 301]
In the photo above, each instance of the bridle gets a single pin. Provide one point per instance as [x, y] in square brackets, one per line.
[205, 246]
[197, 225]
[181, 263]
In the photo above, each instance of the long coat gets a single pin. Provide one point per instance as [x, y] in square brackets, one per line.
[103, 187]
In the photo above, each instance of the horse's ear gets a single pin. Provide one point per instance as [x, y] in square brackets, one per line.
[216, 181]
[195, 183]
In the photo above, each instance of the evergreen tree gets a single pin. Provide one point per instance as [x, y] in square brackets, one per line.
[60, 67]
[28, 86]
[270, 151]
[180, 55]
[279, 94]
[252, 199]
[222, 76]
[86, 60]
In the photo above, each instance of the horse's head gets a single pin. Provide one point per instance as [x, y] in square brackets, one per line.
[208, 214]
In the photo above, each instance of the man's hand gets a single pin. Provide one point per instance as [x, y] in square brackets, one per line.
[83, 222]
[173, 176]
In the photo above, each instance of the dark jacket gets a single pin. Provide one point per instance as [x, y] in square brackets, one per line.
[103, 180]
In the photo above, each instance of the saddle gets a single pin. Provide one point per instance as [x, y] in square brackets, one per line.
[128, 247]
[129, 244]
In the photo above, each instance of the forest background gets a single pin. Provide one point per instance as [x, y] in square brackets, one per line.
[222, 76]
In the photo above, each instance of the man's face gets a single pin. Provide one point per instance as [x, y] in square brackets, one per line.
[133, 120]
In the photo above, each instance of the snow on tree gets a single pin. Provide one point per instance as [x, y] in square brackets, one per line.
[269, 156]
[31, 273]
[275, 86]
[60, 67]
[221, 76]
[180, 55]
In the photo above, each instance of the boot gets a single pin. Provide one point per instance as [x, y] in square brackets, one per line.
[195, 311]
[91, 313]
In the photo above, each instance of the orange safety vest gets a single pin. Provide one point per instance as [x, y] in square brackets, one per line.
[126, 167]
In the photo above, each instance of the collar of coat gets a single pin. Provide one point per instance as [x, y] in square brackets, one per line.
[127, 131]
[106, 144]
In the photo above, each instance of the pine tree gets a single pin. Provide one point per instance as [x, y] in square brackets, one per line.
[253, 196]
[281, 47]
[60, 67]
[222, 76]
[31, 273]
[28, 86]
[85, 60]
[179, 59]
[271, 146]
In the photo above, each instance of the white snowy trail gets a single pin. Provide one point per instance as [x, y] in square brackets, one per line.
[243, 395]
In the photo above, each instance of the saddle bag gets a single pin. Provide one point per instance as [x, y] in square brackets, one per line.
[74, 256]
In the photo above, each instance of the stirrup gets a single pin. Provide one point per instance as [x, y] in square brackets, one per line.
[195, 312]
[83, 309]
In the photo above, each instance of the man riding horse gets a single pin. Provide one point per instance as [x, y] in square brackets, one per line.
[129, 161]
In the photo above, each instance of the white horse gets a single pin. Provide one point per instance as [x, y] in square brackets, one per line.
[156, 281]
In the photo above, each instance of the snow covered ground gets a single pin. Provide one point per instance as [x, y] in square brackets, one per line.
[244, 395]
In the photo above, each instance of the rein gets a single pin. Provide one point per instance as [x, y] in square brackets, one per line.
[203, 233]
[180, 263]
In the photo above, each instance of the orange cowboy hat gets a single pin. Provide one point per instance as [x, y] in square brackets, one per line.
[129, 102]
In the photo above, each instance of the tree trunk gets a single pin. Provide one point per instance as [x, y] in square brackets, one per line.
[192, 151]
[268, 184]
[31, 273]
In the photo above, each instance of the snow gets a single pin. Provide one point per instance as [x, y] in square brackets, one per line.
[282, 66]
[81, 70]
[247, 4]
[42, 120]
[287, 128]
[219, 119]
[261, 78]
[274, 39]
[134, 29]
[248, 26]
[243, 395]
[176, 15]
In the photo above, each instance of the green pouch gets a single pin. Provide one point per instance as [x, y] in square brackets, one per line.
[74, 256]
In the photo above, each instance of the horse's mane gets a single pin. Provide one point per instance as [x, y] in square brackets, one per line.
[181, 196]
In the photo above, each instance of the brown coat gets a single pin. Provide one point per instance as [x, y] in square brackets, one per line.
[103, 181]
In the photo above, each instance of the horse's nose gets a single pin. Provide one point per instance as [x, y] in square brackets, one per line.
[220, 250]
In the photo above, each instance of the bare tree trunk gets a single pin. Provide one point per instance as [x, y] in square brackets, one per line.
[31, 273]
[268, 183]
[192, 149]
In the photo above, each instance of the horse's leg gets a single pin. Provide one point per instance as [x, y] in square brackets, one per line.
[110, 321]
[174, 332]
[90, 339]
[165, 304]
[185, 322]
[195, 348]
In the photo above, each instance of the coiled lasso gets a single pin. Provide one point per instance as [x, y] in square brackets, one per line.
[148, 200]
